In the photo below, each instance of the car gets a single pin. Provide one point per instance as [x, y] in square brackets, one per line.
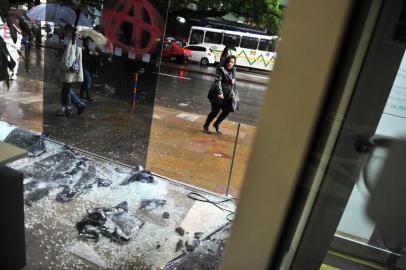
[175, 52]
[202, 54]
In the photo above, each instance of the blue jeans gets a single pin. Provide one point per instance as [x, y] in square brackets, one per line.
[75, 100]
[69, 97]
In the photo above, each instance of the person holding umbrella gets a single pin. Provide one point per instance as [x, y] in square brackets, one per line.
[71, 72]
[88, 64]
[58, 13]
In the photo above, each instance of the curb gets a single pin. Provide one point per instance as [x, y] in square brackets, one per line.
[213, 75]
[237, 79]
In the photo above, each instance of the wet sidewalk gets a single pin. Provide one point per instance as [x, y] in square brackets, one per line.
[181, 151]
[178, 149]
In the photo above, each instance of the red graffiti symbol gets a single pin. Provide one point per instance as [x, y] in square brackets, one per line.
[132, 12]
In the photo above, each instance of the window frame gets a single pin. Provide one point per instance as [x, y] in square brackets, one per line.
[239, 39]
[272, 45]
[248, 37]
[212, 32]
[202, 36]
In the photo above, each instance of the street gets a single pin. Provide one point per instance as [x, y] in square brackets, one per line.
[163, 134]
[187, 91]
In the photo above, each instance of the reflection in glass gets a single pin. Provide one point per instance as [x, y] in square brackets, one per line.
[120, 72]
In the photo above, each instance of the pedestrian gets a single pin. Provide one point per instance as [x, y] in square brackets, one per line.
[221, 93]
[13, 43]
[48, 30]
[71, 72]
[225, 53]
[88, 66]
[26, 42]
[37, 33]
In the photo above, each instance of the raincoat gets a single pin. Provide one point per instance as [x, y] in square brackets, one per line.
[71, 56]
[222, 85]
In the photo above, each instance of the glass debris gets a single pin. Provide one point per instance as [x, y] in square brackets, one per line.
[51, 225]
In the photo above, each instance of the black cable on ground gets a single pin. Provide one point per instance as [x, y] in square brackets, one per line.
[201, 198]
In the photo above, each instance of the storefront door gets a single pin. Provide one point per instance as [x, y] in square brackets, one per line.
[325, 209]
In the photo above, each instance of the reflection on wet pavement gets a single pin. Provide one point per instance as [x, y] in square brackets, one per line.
[22, 102]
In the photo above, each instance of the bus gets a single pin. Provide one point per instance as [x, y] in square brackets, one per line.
[252, 50]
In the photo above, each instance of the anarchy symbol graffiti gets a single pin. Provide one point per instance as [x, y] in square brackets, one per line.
[145, 21]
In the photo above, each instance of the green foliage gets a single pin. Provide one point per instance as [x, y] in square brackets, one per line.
[260, 13]
[273, 21]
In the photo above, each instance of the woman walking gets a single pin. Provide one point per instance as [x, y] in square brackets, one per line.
[221, 94]
[71, 72]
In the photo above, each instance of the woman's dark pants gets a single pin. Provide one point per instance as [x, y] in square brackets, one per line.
[87, 83]
[65, 94]
[215, 109]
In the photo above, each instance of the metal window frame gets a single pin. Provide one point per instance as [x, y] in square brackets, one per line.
[359, 33]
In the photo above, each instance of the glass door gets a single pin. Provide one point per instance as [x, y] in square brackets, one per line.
[342, 224]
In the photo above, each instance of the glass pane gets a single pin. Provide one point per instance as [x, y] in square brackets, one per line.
[342, 222]
[179, 148]
[231, 40]
[249, 43]
[267, 45]
[102, 110]
[356, 222]
[213, 37]
[113, 124]
[196, 37]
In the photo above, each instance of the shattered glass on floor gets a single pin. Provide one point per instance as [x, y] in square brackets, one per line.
[87, 213]
[202, 254]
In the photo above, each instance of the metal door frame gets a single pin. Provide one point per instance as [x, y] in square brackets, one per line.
[367, 104]
[312, 35]
[288, 131]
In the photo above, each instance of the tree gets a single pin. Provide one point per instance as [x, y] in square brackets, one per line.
[259, 13]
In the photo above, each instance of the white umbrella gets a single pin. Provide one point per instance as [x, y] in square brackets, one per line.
[97, 37]
[57, 13]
